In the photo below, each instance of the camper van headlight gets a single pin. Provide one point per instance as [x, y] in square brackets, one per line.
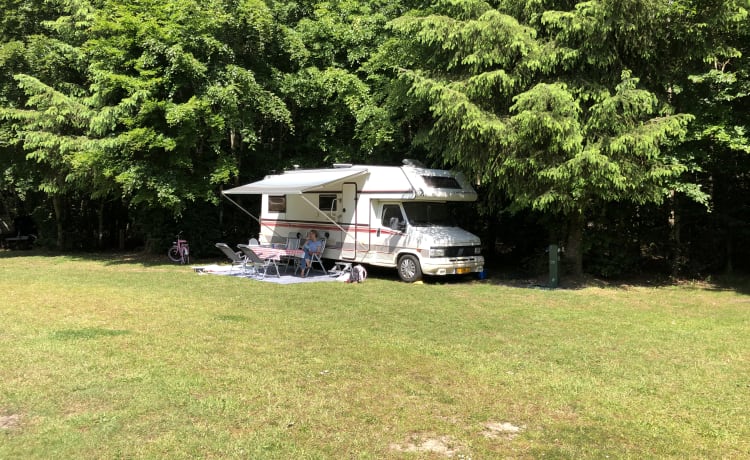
[477, 250]
[437, 252]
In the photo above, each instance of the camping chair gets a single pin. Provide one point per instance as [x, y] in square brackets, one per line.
[260, 265]
[316, 258]
[236, 257]
[291, 243]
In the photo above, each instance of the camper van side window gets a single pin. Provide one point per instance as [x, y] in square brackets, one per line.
[327, 202]
[277, 203]
[392, 215]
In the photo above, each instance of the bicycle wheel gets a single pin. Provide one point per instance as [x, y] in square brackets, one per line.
[174, 254]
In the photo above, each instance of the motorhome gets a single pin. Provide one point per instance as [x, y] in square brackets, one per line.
[388, 216]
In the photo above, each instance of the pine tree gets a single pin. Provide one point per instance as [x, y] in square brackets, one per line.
[553, 114]
[52, 126]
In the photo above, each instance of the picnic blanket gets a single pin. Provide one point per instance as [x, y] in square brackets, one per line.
[228, 270]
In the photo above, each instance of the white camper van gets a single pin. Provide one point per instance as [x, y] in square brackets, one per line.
[389, 216]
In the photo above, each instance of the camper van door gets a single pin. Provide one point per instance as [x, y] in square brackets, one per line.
[349, 222]
[390, 233]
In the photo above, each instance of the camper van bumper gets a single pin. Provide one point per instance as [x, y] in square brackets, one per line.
[452, 266]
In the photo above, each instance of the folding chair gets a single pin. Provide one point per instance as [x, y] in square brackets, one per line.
[291, 244]
[316, 258]
[260, 265]
[236, 257]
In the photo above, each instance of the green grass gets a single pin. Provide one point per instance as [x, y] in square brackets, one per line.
[107, 358]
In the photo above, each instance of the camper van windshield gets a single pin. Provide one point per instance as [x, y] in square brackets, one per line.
[426, 214]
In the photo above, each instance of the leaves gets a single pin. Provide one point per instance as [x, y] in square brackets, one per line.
[556, 106]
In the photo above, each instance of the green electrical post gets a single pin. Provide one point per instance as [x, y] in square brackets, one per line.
[554, 265]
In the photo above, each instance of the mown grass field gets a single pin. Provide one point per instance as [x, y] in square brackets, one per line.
[106, 357]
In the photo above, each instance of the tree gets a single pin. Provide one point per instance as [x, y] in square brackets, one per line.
[337, 118]
[181, 103]
[554, 117]
[52, 127]
[712, 81]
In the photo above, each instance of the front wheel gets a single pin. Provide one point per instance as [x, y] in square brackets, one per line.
[409, 269]
[174, 254]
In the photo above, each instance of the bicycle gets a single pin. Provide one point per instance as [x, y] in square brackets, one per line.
[180, 251]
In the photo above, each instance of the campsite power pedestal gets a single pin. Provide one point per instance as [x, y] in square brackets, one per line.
[554, 265]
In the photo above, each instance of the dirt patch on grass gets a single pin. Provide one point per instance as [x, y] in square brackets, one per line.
[8, 422]
[448, 447]
[500, 430]
[441, 445]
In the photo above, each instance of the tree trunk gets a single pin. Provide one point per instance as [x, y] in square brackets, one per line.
[100, 225]
[675, 239]
[57, 204]
[235, 146]
[728, 267]
[574, 246]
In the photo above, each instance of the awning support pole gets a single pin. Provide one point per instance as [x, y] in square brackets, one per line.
[274, 231]
[250, 214]
[324, 214]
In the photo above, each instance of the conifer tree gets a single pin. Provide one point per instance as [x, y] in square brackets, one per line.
[52, 124]
[550, 112]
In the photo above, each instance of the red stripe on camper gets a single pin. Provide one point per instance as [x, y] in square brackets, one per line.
[359, 228]
[274, 223]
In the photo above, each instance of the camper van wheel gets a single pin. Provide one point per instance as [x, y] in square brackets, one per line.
[409, 269]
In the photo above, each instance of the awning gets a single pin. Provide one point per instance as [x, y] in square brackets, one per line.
[296, 182]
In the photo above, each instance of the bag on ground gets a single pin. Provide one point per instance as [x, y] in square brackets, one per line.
[358, 275]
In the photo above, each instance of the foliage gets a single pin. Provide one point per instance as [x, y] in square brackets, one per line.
[552, 114]
[113, 112]
[177, 102]
[339, 119]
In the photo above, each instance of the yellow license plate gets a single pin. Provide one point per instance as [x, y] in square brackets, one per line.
[462, 271]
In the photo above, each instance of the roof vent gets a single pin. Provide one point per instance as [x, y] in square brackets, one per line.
[342, 165]
[414, 163]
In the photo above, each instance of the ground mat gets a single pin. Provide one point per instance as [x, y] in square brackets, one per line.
[285, 278]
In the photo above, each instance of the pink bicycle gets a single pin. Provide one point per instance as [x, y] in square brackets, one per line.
[180, 251]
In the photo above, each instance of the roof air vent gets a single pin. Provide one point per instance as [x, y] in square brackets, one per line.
[414, 163]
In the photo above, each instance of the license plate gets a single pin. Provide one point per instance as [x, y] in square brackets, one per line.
[462, 271]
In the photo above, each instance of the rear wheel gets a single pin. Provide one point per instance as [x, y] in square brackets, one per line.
[409, 269]
[174, 254]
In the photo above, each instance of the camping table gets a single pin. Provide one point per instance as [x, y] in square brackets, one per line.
[265, 252]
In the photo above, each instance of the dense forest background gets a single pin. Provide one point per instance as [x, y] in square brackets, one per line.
[617, 129]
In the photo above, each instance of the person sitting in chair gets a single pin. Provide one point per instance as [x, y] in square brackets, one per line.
[310, 248]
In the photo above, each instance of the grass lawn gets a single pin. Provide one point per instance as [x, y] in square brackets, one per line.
[112, 358]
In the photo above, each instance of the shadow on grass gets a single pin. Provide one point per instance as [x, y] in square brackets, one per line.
[737, 283]
[13, 253]
[233, 318]
[87, 333]
[494, 275]
[108, 258]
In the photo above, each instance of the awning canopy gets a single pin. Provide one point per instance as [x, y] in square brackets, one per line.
[296, 182]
